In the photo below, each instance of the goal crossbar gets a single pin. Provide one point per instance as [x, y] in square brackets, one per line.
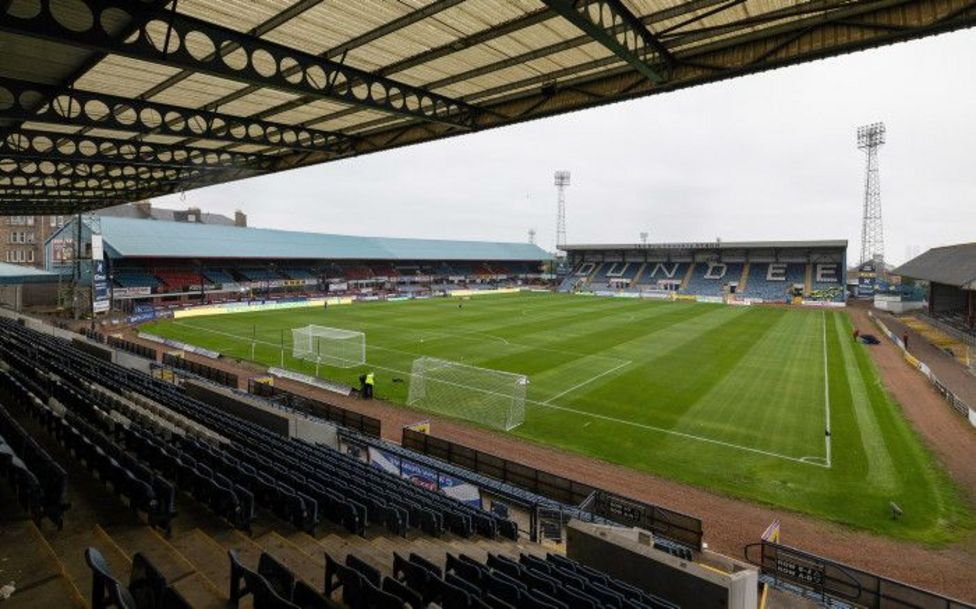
[494, 398]
[330, 346]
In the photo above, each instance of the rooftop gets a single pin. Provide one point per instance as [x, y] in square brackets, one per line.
[16, 274]
[109, 101]
[709, 245]
[951, 265]
[127, 237]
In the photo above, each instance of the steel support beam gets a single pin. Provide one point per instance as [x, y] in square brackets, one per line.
[635, 45]
[33, 145]
[98, 110]
[483, 37]
[187, 43]
[121, 186]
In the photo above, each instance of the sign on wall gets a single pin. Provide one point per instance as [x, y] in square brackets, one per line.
[101, 294]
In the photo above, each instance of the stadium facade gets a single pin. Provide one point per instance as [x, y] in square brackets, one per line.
[159, 262]
[752, 271]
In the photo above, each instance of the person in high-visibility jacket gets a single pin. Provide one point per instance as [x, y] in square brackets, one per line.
[370, 381]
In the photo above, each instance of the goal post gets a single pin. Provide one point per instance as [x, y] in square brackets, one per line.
[493, 398]
[329, 346]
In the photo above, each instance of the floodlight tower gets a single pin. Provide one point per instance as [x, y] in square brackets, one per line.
[869, 139]
[562, 181]
[643, 237]
[532, 236]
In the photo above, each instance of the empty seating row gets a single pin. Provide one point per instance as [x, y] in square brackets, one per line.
[228, 500]
[304, 476]
[41, 485]
[179, 280]
[135, 279]
[131, 480]
[157, 458]
[147, 587]
[530, 582]
[273, 586]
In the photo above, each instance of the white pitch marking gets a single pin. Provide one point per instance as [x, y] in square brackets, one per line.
[826, 388]
[573, 410]
[678, 433]
[587, 382]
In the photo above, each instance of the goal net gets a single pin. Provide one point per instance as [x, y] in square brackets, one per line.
[490, 397]
[329, 346]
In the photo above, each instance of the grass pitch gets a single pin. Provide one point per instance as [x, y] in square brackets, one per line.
[735, 399]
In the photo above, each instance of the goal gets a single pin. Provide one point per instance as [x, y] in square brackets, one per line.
[330, 346]
[490, 397]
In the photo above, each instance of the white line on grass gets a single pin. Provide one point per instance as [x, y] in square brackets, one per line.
[802, 460]
[448, 334]
[680, 434]
[587, 382]
[826, 388]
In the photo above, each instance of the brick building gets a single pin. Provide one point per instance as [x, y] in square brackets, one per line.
[22, 237]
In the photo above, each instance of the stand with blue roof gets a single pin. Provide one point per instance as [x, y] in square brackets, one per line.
[186, 263]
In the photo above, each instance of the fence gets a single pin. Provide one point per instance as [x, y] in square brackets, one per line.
[131, 347]
[954, 401]
[323, 410]
[834, 580]
[202, 370]
[669, 524]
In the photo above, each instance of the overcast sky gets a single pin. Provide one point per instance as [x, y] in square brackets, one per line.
[769, 156]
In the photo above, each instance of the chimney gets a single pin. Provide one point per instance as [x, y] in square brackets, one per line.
[144, 208]
[240, 218]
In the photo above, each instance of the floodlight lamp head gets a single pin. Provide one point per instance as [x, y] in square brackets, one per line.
[870, 136]
[562, 178]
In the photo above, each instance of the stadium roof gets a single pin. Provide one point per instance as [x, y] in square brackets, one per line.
[708, 245]
[16, 274]
[950, 265]
[108, 101]
[127, 237]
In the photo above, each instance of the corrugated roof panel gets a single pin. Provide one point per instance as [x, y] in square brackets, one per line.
[50, 127]
[951, 265]
[320, 30]
[148, 238]
[197, 91]
[240, 15]
[36, 60]
[124, 77]
[310, 111]
[351, 122]
[257, 101]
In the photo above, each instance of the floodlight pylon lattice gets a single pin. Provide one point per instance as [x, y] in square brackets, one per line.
[562, 182]
[869, 139]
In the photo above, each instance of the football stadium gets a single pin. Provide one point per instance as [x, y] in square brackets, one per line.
[196, 412]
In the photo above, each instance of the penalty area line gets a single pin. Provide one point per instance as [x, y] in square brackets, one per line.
[803, 460]
[587, 382]
[681, 434]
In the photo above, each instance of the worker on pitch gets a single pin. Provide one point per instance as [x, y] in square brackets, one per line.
[366, 382]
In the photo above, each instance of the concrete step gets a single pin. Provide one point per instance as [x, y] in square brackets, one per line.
[70, 551]
[229, 539]
[207, 556]
[176, 568]
[29, 563]
[309, 568]
[145, 540]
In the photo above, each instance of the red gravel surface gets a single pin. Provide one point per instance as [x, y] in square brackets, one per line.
[729, 523]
